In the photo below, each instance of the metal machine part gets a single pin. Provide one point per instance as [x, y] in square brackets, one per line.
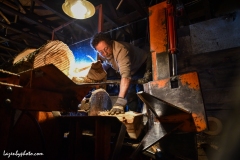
[174, 102]
[172, 110]
[99, 101]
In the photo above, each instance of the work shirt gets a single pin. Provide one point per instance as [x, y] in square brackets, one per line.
[127, 58]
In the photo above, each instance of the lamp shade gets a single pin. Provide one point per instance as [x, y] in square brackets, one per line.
[78, 9]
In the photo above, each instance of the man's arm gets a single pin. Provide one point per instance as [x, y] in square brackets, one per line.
[120, 103]
[124, 84]
[123, 61]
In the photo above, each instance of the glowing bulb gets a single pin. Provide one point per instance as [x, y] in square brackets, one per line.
[78, 9]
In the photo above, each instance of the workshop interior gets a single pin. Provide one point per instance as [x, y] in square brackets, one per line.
[55, 96]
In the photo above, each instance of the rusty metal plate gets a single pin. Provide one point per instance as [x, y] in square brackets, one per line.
[177, 107]
[167, 119]
[157, 27]
[184, 92]
[158, 39]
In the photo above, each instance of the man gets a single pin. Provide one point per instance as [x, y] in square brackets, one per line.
[131, 62]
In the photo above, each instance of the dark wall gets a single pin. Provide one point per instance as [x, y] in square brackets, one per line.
[220, 82]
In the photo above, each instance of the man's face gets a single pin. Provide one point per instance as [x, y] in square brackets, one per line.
[104, 50]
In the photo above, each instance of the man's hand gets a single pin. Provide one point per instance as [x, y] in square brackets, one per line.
[116, 110]
[118, 107]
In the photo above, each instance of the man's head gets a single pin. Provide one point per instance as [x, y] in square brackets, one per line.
[102, 43]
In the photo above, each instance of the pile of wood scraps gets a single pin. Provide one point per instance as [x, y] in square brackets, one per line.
[92, 73]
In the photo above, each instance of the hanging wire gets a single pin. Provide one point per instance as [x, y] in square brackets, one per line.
[110, 31]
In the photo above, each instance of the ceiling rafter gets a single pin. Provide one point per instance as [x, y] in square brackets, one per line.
[24, 33]
[61, 15]
[4, 17]
[20, 6]
[9, 49]
[30, 18]
[27, 17]
[14, 42]
[113, 10]
[138, 7]
[130, 17]
[11, 4]
[115, 24]
[32, 6]
[5, 55]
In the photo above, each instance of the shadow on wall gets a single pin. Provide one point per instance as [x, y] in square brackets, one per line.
[230, 143]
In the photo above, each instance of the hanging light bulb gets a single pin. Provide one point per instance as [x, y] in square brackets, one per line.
[79, 9]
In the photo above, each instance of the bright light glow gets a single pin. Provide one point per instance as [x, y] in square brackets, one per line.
[81, 69]
[78, 9]
[82, 52]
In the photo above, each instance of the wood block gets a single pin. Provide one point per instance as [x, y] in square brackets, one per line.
[132, 120]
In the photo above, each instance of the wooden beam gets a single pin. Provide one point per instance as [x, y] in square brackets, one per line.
[5, 18]
[110, 20]
[20, 6]
[9, 49]
[30, 17]
[115, 24]
[5, 55]
[130, 17]
[26, 34]
[32, 7]
[61, 15]
[138, 7]
[24, 16]
[9, 40]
